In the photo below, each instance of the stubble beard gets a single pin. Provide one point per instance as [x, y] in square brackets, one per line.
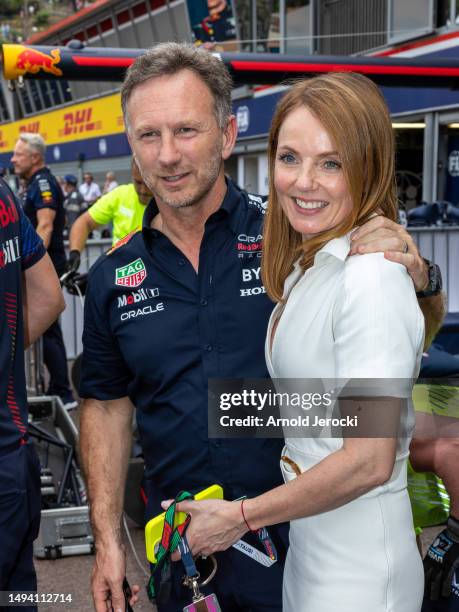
[208, 178]
[20, 173]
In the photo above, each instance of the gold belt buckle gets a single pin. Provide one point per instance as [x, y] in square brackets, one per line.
[295, 467]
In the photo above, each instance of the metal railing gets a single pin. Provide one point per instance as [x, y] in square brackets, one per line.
[34, 369]
[72, 317]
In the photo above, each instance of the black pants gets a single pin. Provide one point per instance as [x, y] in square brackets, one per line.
[56, 360]
[19, 520]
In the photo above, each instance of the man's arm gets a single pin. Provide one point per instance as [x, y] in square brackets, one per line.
[442, 558]
[105, 443]
[45, 219]
[383, 235]
[434, 310]
[439, 456]
[42, 299]
[80, 231]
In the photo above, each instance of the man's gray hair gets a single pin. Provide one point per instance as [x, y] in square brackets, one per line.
[169, 58]
[35, 142]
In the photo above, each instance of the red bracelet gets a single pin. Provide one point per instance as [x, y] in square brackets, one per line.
[243, 516]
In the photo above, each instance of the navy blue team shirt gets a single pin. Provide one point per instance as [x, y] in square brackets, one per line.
[43, 191]
[156, 331]
[20, 248]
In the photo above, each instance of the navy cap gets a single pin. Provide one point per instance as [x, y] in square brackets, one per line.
[71, 178]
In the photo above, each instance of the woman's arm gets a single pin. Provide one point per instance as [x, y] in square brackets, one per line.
[359, 466]
[355, 469]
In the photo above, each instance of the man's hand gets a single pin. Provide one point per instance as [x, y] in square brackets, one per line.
[107, 579]
[382, 235]
[441, 561]
[73, 262]
[215, 525]
[105, 466]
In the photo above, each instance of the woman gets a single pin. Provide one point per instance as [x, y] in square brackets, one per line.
[352, 544]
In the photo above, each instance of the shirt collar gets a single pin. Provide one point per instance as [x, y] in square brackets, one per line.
[338, 248]
[229, 208]
[150, 213]
[42, 169]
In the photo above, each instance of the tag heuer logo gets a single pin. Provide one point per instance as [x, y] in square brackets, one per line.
[131, 275]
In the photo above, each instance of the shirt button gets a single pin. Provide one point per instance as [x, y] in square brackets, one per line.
[203, 302]
[209, 347]
[181, 262]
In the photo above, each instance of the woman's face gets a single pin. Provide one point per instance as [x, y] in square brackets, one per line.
[308, 175]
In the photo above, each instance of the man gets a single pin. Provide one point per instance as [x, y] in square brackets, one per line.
[30, 300]
[43, 205]
[110, 182]
[74, 204]
[89, 189]
[123, 207]
[200, 312]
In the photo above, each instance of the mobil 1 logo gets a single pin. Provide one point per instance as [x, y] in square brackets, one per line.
[140, 303]
[127, 299]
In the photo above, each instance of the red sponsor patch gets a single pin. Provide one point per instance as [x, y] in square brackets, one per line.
[8, 212]
[249, 247]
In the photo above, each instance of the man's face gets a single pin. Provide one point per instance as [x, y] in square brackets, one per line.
[87, 179]
[142, 190]
[175, 138]
[23, 159]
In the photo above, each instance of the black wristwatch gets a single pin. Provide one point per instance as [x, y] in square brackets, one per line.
[435, 283]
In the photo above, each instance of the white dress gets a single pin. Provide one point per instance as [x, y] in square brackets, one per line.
[351, 317]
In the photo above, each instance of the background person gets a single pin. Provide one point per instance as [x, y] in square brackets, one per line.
[43, 205]
[202, 320]
[441, 562]
[89, 189]
[30, 300]
[340, 317]
[74, 204]
[123, 207]
[110, 182]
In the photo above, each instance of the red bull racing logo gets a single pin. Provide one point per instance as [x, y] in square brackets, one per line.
[22, 60]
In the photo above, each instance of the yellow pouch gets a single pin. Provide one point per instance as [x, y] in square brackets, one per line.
[154, 527]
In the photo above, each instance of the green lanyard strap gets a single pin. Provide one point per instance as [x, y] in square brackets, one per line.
[158, 588]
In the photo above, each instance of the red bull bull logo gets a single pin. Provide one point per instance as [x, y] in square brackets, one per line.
[21, 60]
